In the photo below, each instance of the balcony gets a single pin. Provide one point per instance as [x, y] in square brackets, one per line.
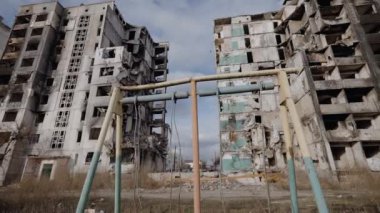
[331, 19]
[11, 55]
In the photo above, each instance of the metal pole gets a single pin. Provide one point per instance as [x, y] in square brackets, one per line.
[196, 172]
[289, 158]
[95, 158]
[119, 138]
[211, 78]
[301, 138]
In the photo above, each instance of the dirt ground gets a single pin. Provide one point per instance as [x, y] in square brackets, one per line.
[158, 197]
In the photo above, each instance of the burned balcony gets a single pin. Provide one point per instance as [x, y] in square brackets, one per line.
[331, 20]
[341, 50]
[22, 21]
[332, 122]
[331, 96]
[22, 79]
[357, 94]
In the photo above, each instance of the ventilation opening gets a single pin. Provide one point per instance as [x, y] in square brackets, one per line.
[10, 116]
[103, 91]
[21, 79]
[357, 94]
[15, 97]
[42, 17]
[338, 152]
[94, 133]
[331, 121]
[247, 42]
[249, 57]
[32, 45]
[327, 96]
[37, 31]
[23, 19]
[27, 62]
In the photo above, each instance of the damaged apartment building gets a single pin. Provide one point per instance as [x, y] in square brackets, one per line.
[57, 74]
[337, 43]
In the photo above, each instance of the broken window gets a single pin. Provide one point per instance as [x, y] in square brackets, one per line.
[89, 157]
[332, 121]
[65, 22]
[40, 117]
[80, 36]
[89, 78]
[371, 149]
[342, 50]
[94, 133]
[18, 33]
[108, 53]
[46, 171]
[21, 79]
[10, 116]
[338, 152]
[101, 18]
[278, 39]
[15, 97]
[70, 82]
[281, 54]
[258, 119]
[23, 19]
[34, 138]
[328, 96]
[249, 57]
[27, 62]
[41, 17]
[130, 48]
[37, 31]
[357, 94]
[74, 64]
[49, 82]
[103, 91]
[62, 119]
[131, 35]
[32, 45]
[57, 139]
[79, 136]
[246, 29]
[247, 42]
[84, 21]
[106, 71]
[44, 99]
[4, 137]
[99, 31]
[99, 111]
[83, 115]
[4, 79]
[66, 99]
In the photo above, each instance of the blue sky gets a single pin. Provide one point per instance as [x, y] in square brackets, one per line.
[188, 26]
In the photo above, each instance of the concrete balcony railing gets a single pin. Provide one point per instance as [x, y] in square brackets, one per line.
[11, 55]
[331, 23]
[345, 83]
[356, 135]
[345, 108]
[13, 41]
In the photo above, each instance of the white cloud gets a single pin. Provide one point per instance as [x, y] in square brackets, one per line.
[188, 26]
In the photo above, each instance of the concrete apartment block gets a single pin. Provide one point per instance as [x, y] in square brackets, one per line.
[336, 94]
[61, 64]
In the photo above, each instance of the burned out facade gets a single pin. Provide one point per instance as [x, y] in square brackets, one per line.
[61, 64]
[336, 94]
